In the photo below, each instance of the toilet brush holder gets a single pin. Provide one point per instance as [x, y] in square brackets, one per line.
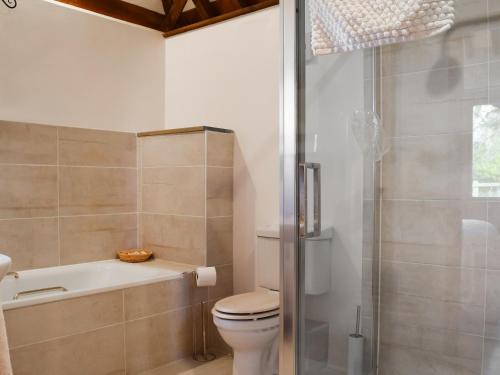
[355, 349]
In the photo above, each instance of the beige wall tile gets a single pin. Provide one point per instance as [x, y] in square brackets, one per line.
[175, 238]
[441, 342]
[400, 360]
[96, 148]
[167, 337]
[491, 361]
[435, 102]
[157, 298]
[451, 284]
[174, 190]
[97, 190]
[437, 167]
[27, 143]
[492, 316]
[220, 149]
[438, 232]
[445, 342]
[27, 191]
[219, 191]
[224, 287]
[428, 312]
[174, 149]
[97, 352]
[495, 33]
[493, 235]
[219, 241]
[32, 324]
[31, 243]
[92, 238]
[464, 46]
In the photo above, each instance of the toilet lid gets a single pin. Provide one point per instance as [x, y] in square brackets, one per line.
[249, 303]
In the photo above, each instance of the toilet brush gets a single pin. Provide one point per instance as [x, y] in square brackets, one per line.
[355, 349]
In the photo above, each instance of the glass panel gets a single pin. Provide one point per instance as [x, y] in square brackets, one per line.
[408, 133]
[343, 134]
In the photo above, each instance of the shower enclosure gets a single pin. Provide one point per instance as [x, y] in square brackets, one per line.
[391, 155]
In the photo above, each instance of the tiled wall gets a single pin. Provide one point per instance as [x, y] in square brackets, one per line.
[186, 208]
[67, 195]
[124, 331]
[186, 205]
[440, 305]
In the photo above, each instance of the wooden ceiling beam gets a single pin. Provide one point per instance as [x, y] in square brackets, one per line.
[167, 5]
[123, 11]
[205, 9]
[176, 11]
[193, 25]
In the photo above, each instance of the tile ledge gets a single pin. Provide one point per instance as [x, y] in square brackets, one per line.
[193, 129]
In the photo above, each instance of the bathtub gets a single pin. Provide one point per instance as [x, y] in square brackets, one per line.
[63, 282]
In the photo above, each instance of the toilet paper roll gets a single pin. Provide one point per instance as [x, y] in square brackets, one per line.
[206, 276]
[355, 355]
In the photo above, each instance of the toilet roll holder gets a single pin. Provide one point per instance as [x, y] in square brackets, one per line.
[204, 356]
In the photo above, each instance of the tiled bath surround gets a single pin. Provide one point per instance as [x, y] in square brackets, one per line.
[70, 195]
[440, 309]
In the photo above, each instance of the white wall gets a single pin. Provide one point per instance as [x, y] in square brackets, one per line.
[227, 75]
[60, 66]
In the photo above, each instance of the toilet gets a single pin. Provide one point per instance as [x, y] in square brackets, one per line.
[249, 322]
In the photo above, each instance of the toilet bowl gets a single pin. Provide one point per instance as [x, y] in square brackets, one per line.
[249, 323]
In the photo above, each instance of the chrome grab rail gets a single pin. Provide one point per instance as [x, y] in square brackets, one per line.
[34, 291]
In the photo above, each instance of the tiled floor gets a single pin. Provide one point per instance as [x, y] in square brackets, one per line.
[220, 366]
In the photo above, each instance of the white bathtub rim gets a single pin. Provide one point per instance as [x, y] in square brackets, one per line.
[177, 268]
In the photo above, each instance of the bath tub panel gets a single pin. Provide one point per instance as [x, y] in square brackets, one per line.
[47, 321]
[157, 340]
[98, 352]
[157, 298]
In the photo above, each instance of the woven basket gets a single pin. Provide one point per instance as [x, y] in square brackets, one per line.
[134, 255]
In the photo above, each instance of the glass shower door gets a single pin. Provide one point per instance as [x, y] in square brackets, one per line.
[333, 324]
[338, 247]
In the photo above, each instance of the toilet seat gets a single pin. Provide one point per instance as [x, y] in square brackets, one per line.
[248, 306]
[245, 317]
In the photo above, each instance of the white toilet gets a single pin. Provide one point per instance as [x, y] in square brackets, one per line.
[249, 322]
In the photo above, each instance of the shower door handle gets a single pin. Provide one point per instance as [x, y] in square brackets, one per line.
[303, 200]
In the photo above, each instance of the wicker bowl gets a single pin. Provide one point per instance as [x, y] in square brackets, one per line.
[134, 255]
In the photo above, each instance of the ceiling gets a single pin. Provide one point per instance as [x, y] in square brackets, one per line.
[172, 17]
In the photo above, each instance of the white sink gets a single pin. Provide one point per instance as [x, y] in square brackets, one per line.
[5, 263]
